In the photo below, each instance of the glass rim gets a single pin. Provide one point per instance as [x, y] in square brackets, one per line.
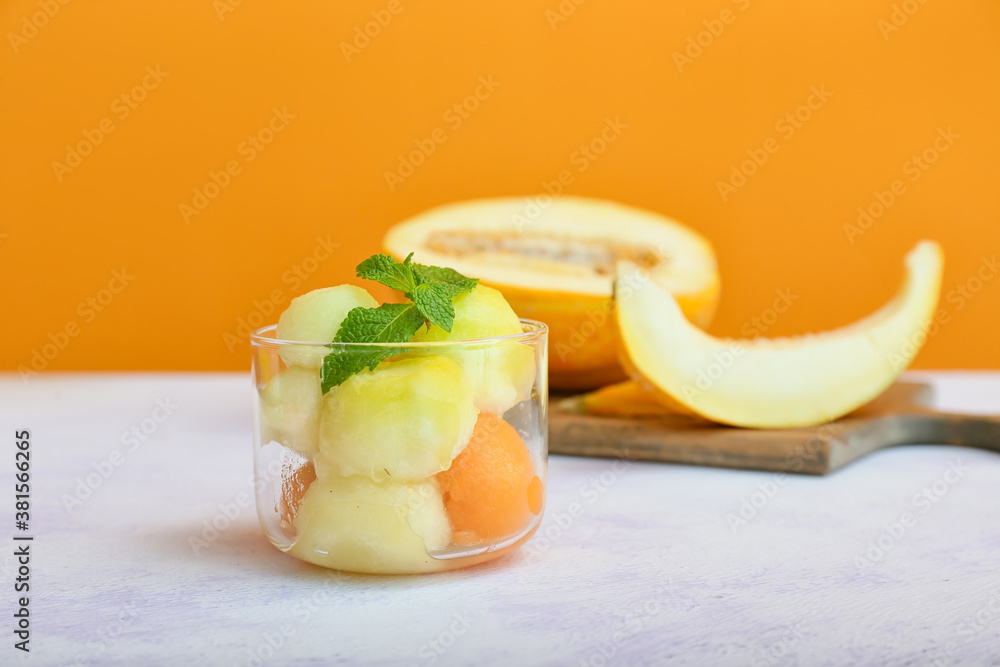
[538, 330]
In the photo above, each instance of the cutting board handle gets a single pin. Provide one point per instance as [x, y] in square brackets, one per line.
[982, 432]
[919, 426]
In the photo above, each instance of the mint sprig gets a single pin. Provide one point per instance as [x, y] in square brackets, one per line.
[389, 323]
[430, 290]
[433, 300]
[450, 278]
[389, 272]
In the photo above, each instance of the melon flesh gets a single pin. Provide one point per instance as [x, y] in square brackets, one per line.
[556, 263]
[356, 524]
[290, 409]
[406, 420]
[501, 373]
[782, 382]
[316, 317]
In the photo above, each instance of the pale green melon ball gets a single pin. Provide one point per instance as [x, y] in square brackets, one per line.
[501, 373]
[316, 316]
[290, 409]
[404, 421]
[356, 524]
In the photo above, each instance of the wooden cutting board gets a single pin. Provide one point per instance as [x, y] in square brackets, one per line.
[899, 417]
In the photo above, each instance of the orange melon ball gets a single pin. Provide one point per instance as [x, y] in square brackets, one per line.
[491, 489]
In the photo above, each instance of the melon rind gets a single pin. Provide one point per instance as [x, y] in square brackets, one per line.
[781, 382]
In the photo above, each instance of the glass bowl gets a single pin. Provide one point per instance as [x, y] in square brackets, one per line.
[433, 460]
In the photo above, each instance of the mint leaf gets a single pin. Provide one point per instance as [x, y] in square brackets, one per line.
[389, 323]
[389, 272]
[434, 302]
[343, 362]
[429, 288]
[450, 278]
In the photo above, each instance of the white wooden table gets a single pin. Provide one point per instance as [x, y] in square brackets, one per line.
[635, 563]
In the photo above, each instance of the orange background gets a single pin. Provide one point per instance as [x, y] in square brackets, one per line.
[324, 174]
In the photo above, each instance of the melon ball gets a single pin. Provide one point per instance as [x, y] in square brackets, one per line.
[290, 409]
[316, 316]
[405, 421]
[356, 524]
[491, 489]
[501, 373]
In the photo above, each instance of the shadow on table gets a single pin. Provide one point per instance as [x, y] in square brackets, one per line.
[243, 547]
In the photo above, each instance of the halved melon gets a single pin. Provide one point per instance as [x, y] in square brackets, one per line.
[556, 262]
[782, 382]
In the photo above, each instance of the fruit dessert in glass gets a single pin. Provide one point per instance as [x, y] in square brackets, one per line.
[401, 438]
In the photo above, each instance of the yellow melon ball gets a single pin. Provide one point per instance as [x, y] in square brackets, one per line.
[501, 373]
[290, 408]
[316, 316]
[406, 420]
[356, 524]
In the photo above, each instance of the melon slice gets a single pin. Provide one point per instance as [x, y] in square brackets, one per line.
[623, 399]
[556, 263]
[782, 382]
